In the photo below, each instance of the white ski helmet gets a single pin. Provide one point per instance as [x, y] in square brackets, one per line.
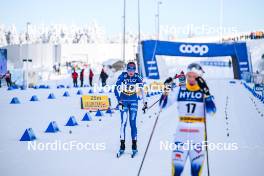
[196, 68]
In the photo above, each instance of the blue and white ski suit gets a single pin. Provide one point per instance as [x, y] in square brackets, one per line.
[126, 93]
[190, 132]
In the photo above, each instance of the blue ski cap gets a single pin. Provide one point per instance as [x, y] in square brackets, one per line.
[131, 66]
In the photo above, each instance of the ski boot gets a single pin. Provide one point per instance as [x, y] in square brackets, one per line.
[122, 149]
[134, 148]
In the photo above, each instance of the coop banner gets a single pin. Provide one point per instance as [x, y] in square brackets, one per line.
[152, 48]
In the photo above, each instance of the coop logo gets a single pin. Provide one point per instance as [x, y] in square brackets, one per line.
[197, 49]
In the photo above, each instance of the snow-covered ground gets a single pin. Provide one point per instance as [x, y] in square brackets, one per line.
[37, 115]
[237, 116]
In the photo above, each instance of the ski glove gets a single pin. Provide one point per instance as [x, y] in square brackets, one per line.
[168, 80]
[202, 84]
[145, 107]
[210, 105]
[120, 106]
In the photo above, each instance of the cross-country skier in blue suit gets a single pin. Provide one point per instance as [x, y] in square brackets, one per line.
[126, 90]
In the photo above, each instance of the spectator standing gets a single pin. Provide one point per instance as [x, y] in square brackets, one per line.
[8, 78]
[181, 77]
[91, 75]
[229, 63]
[54, 68]
[59, 69]
[103, 77]
[74, 78]
[81, 77]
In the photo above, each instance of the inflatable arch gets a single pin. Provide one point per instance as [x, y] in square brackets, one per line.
[151, 48]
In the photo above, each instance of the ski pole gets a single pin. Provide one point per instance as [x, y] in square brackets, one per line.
[206, 147]
[153, 104]
[147, 108]
[146, 151]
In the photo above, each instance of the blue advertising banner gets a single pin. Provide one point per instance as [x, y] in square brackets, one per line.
[152, 48]
[259, 87]
[3, 61]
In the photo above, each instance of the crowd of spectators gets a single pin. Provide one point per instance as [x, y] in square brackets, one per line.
[249, 36]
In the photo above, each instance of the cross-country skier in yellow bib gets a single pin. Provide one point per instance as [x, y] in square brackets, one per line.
[193, 102]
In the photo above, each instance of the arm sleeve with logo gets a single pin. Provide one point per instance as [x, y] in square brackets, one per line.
[117, 86]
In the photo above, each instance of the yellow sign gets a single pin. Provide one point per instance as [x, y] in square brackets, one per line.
[154, 86]
[95, 102]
